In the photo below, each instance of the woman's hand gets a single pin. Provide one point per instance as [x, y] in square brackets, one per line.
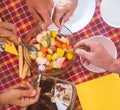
[63, 11]
[19, 96]
[97, 56]
[41, 10]
[8, 31]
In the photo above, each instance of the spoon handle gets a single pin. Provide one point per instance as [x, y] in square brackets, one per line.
[80, 47]
[84, 48]
[37, 83]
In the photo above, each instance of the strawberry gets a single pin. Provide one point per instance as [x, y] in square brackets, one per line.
[53, 48]
[67, 41]
[65, 63]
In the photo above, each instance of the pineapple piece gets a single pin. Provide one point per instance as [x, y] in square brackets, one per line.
[44, 43]
[50, 51]
[48, 32]
[37, 46]
[55, 56]
[69, 56]
[60, 52]
[48, 40]
[40, 54]
[63, 39]
[54, 33]
[52, 41]
[33, 56]
[53, 64]
[49, 57]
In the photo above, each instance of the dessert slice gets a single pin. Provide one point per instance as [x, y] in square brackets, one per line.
[63, 95]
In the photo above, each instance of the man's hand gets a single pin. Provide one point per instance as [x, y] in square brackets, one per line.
[8, 31]
[97, 56]
[63, 11]
[41, 10]
[20, 97]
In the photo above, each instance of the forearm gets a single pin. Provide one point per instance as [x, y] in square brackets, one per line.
[115, 66]
[1, 98]
[4, 98]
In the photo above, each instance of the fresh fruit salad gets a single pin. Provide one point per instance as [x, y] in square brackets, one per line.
[53, 50]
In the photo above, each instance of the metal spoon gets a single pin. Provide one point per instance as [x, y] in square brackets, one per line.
[80, 47]
[32, 49]
[42, 68]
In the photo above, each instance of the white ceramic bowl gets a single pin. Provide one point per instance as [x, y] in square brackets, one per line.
[82, 15]
[110, 12]
[109, 46]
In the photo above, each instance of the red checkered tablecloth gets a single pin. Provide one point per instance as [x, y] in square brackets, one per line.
[16, 11]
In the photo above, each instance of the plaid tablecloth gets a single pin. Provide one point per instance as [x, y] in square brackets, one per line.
[16, 11]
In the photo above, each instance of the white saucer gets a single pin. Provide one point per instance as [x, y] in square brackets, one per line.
[82, 15]
[109, 46]
[110, 12]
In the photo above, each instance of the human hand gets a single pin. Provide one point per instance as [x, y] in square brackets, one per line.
[41, 10]
[20, 97]
[7, 31]
[97, 56]
[63, 10]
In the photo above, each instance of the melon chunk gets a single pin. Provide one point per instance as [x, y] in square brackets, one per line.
[41, 60]
[39, 37]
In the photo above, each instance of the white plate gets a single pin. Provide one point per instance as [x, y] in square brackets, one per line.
[82, 15]
[110, 12]
[109, 46]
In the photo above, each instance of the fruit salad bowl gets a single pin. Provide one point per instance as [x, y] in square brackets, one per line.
[52, 56]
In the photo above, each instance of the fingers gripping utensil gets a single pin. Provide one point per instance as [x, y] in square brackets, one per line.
[86, 48]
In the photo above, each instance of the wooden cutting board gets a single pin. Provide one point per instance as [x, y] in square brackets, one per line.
[101, 93]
